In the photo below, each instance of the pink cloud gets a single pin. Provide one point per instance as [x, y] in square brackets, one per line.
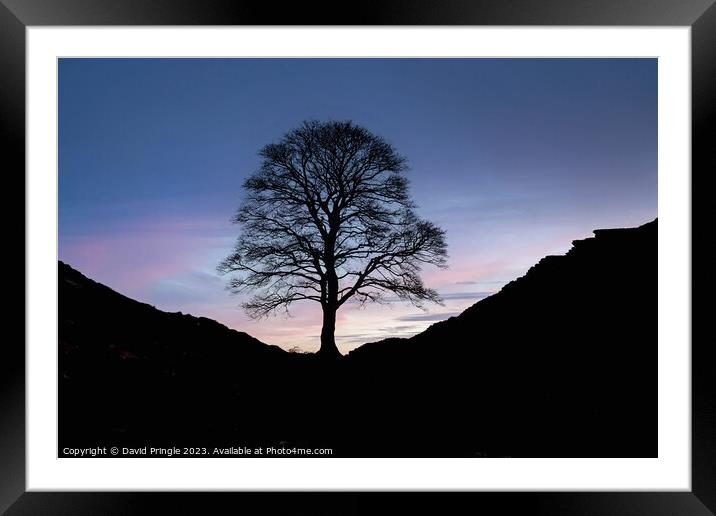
[133, 257]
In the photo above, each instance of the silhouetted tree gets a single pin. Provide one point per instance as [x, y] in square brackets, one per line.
[327, 218]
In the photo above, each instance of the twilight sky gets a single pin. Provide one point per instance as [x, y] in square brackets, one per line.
[514, 158]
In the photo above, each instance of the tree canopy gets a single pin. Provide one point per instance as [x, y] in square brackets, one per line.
[327, 217]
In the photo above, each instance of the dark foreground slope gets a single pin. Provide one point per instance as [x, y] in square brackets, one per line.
[130, 372]
[561, 362]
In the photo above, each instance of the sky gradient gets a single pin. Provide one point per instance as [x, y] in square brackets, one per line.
[514, 158]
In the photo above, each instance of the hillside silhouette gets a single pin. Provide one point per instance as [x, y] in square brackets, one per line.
[562, 362]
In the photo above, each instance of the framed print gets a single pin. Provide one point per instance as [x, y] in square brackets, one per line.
[412, 250]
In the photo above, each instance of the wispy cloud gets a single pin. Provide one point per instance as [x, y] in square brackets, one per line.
[476, 282]
[466, 295]
[452, 296]
[428, 317]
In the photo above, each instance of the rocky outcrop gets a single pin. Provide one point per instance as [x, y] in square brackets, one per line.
[571, 345]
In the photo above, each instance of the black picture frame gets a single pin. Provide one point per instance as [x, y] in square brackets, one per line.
[17, 15]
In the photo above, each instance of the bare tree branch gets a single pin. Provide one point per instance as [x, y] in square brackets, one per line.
[327, 218]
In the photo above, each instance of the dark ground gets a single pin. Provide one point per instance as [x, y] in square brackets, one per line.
[561, 363]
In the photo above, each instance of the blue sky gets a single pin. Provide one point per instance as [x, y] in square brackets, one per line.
[513, 157]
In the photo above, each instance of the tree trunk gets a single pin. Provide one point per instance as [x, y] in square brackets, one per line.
[328, 339]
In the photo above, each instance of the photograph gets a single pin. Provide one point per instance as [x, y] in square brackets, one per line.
[357, 257]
